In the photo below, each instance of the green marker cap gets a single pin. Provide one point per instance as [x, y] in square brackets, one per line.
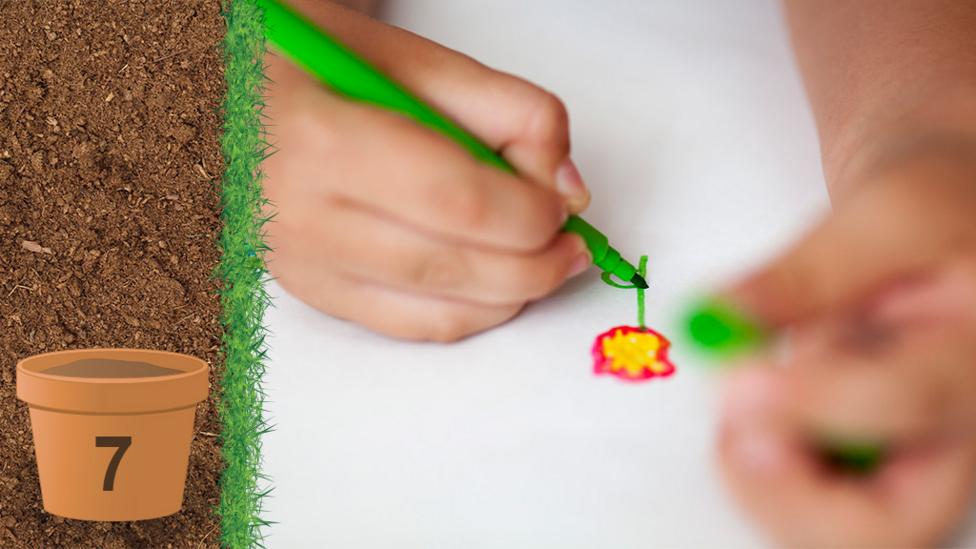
[718, 326]
[604, 256]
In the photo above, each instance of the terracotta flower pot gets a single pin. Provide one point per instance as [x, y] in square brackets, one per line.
[112, 429]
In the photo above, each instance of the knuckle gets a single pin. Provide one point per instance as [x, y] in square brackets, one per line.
[444, 270]
[456, 323]
[333, 249]
[542, 221]
[550, 120]
[327, 243]
[553, 278]
[527, 281]
[446, 328]
[537, 239]
[301, 129]
[551, 112]
[461, 201]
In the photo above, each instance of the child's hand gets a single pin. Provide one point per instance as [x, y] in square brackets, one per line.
[386, 223]
[881, 299]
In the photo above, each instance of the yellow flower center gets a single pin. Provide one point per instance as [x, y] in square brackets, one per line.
[633, 353]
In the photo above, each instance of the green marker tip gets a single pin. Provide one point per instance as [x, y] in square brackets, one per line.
[719, 326]
[638, 281]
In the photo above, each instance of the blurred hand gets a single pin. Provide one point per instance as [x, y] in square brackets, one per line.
[386, 223]
[880, 302]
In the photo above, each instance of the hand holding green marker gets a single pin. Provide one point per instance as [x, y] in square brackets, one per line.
[347, 74]
[723, 329]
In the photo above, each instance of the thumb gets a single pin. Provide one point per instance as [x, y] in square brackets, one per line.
[888, 229]
[528, 125]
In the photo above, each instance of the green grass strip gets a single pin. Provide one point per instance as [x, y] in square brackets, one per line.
[242, 273]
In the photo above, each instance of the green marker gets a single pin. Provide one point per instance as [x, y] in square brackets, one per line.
[348, 75]
[721, 328]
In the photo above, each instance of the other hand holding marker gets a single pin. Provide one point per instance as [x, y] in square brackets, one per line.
[880, 304]
[720, 327]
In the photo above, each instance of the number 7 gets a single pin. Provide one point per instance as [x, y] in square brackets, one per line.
[122, 443]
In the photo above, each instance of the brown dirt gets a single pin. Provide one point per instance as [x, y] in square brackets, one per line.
[109, 159]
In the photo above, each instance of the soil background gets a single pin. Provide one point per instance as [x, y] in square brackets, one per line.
[109, 169]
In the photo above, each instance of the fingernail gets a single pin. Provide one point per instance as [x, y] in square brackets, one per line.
[570, 184]
[579, 264]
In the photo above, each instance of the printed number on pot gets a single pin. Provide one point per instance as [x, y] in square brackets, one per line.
[121, 444]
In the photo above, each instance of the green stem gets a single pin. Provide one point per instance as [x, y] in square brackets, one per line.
[642, 270]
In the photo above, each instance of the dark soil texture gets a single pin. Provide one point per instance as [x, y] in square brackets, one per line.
[109, 214]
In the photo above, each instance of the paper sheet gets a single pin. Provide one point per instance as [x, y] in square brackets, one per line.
[690, 125]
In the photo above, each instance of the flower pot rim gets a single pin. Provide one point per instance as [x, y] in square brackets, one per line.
[113, 395]
[25, 366]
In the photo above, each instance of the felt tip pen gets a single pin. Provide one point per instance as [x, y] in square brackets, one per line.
[345, 73]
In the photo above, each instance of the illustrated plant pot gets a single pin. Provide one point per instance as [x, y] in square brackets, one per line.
[112, 429]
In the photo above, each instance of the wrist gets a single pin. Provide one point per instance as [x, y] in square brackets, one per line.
[930, 178]
[942, 126]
